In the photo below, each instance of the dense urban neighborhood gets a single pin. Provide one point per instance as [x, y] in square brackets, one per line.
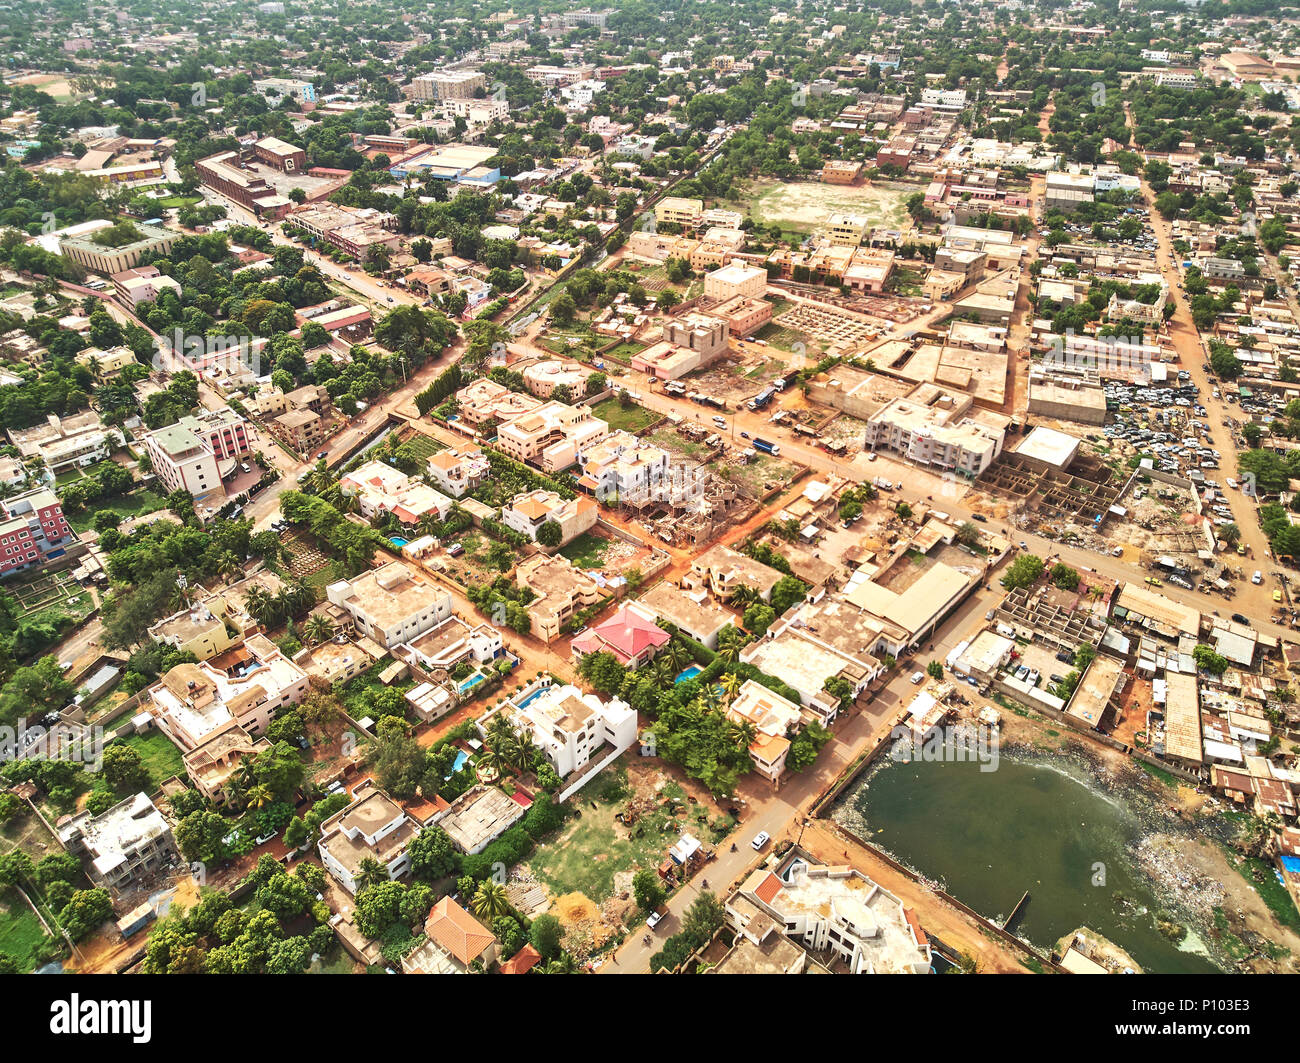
[683, 488]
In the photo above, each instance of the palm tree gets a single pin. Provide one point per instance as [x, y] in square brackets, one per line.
[678, 654]
[229, 566]
[562, 964]
[320, 479]
[318, 629]
[260, 796]
[490, 901]
[258, 602]
[523, 753]
[730, 642]
[370, 873]
[664, 671]
[742, 596]
[730, 686]
[744, 733]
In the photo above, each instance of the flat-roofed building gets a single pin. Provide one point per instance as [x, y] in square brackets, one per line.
[215, 762]
[773, 718]
[571, 728]
[448, 85]
[934, 426]
[106, 259]
[453, 641]
[478, 817]
[484, 400]
[379, 488]
[847, 230]
[458, 470]
[196, 629]
[33, 530]
[690, 610]
[245, 686]
[725, 571]
[675, 210]
[836, 911]
[392, 604]
[562, 590]
[122, 847]
[143, 284]
[527, 513]
[64, 443]
[373, 827]
[285, 157]
[738, 278]
[551, 436]
[184, 461]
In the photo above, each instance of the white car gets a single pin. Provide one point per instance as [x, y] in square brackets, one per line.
[761, 839]
[918, 678]
[1258, 577]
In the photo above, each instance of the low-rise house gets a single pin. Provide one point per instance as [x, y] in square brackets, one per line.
[561, 590]
[725, 571]
[195, 630]
[690, 610]
[570, 727]
[216, 761]
[242, 687]
[478, 817]
[836, 911]
[458, 470]
[455, 943]
[630, 635]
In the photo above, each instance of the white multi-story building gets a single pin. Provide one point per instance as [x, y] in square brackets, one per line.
[931, 426]
[621, 465]
[458, 470]
[448, 85]
[568, 725]
[391, 604]
[527, 513]
[373, 827]
[551, 436]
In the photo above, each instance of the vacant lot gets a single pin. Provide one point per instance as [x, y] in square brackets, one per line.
[21, 933]
[161, 757]
[629, 418]
[804, 206]
[136, 504]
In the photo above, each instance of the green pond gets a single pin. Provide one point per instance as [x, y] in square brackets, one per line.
[1031, 824]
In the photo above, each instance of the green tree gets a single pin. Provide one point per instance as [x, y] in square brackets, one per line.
[648, 889]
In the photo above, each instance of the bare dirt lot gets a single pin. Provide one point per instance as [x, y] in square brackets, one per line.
[803, 206]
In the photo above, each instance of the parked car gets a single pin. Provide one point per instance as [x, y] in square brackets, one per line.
[918, 678]
[760, 840]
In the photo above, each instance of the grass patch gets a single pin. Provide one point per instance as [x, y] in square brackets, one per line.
[630, 418]
[586, 551]
[136, 504]
[21, 934]
[1262, 876]
[594, 846]
[422, 446]
[161, 757]
[1165, 777]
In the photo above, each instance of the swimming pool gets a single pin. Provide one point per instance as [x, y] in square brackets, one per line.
[461, 758]
[535, 694]
[471, 682]
[398, 541]
[688, 673]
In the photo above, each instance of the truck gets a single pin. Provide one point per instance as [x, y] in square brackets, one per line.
[766, 447]
[762, 398]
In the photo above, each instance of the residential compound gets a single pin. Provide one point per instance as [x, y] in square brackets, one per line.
[129, 842]
[527, 513]
[391, 604]
[240, 688]
[936, 427]
[380, 489]
[551, 436]
[571, 728]
[373, 827]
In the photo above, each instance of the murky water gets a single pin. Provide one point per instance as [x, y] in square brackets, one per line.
[1033, 824]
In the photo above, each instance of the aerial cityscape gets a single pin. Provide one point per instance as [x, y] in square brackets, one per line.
[765, 487]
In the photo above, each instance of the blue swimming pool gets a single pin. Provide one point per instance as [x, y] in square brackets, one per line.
[398, 541]
[535, 694]
[688, 673]
[461, 758]
[471, 682]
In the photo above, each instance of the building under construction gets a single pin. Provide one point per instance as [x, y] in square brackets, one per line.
[1083, 493]
[689, 505]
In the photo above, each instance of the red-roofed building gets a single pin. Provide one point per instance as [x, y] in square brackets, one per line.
[459, 934]
[522, 961]
[629, 635]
